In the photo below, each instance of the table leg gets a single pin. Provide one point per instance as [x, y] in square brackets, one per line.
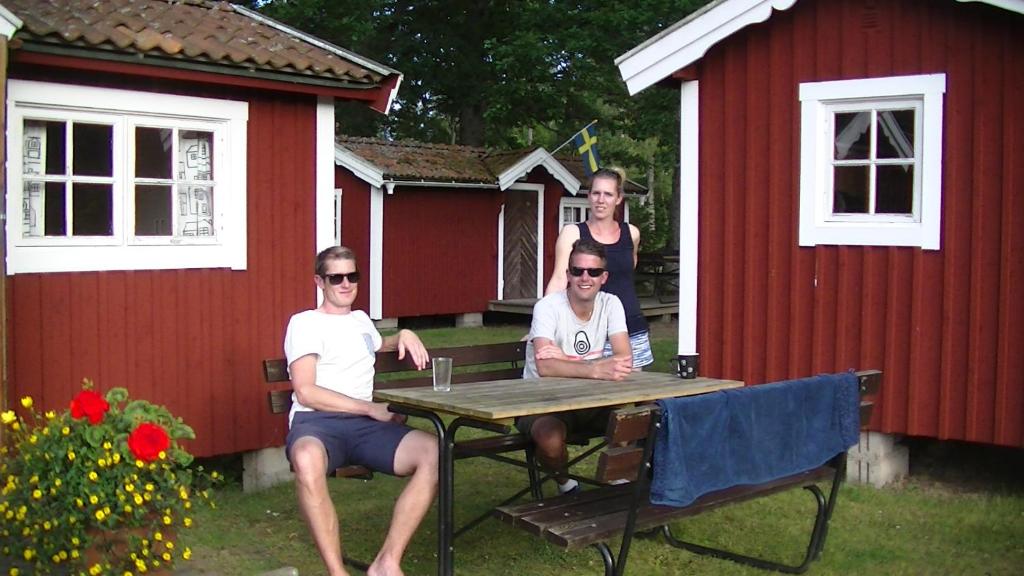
[445, 489]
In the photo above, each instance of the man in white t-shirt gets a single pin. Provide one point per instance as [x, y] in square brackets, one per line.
[334, 422]
[567, 338]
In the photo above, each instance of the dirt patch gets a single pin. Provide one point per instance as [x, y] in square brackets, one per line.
[966, 466]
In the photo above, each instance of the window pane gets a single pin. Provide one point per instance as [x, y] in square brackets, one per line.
[92, 146]
[895, 190]
[92, 207]
[853, 140]
[896, 134]
[152, 210]
[195, 211]
[42, 210]
[153, 153]
[196, 150]
[850, 190]
[44, 148]
[55, 222]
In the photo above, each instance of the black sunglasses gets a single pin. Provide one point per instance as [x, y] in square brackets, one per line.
[335, 279]
[592, 272]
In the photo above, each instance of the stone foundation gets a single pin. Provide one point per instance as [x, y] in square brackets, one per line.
[264, 468]
[877, 459]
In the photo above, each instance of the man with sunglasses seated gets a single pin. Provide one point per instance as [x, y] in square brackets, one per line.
[567, 338]
[334, 422]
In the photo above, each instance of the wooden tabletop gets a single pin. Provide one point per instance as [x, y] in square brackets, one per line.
[503, 399]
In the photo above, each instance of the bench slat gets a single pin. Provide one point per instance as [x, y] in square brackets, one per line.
[608, 523]
[628, 424]
[280, 401]
[866, 408]
[619, 463]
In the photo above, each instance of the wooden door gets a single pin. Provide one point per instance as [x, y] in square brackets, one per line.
[520, 245]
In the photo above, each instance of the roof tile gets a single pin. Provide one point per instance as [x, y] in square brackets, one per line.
[215, 32]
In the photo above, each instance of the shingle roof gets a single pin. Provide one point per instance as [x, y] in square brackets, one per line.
[410, 160]
[165, 31]
[419, 161]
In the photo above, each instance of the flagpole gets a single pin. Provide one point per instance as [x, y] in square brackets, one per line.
[573, 136]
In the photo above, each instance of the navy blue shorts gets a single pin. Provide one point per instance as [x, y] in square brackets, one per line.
[350, 439]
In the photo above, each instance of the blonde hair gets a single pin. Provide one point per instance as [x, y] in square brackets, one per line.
[611, 173]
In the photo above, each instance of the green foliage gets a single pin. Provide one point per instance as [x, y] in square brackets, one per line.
[74, 481]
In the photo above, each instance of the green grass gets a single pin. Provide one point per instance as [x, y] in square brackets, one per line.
[917, 528]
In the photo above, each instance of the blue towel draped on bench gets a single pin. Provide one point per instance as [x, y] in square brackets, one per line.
[752, 435]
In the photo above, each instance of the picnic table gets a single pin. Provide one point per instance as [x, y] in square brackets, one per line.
[494, 405]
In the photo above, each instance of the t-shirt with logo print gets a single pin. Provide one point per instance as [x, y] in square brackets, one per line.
[345, 346]
[554, 319]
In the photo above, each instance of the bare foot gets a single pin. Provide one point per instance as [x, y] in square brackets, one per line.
[384, 567]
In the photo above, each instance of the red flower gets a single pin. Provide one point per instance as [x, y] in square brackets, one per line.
[147, 441]
[89, 404]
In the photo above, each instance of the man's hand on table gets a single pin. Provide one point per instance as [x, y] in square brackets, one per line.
[611, 368]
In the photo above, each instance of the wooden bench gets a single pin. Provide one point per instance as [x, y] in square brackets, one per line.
[512, 354]
[592, 517]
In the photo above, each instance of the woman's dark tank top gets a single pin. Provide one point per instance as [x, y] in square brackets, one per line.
[619, 261]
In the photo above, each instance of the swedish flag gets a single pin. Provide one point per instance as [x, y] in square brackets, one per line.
[586, 144]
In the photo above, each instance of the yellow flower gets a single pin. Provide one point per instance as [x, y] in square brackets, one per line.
[57, 482]
[100, 515]
[93, 475]
[71, 455]
[107, 446]
[63, 554]
[187, 554]
[75, 541]
[26, 401]
[75, 555]
[139, 464]
[166, 556]
[149, 487]
[127, 508]
[93, 499]
[162, 455]
[188, 522]
[116, 458]
[65, 431]
[169, 545]
[29, 553]
[138, 500]
[129, 487]
[14, 572]
[15, 426]
[101, 463]
[8, 417]
[33, 439]
[47, 525]
[95, 569]
[167, 520]
[50, 414]
[37, 494]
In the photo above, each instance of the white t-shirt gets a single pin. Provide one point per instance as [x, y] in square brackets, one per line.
[345, 346]
[554, 319]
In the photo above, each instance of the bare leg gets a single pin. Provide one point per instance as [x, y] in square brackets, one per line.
[309, 460]
[548, 434]
[416, 456]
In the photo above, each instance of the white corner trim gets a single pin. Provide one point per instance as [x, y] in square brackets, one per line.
[376, 256]
[539, 189]
[501, 253]
[9, 23]
[393, 94]
[688, 40]
[325, 152]
[365, 171]
[689, 221]
[539, 157]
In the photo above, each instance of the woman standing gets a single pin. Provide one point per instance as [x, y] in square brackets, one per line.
[621, 242]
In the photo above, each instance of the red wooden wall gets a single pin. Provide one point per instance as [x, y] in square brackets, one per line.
[190, 339]
[440, 250]
[944, 325]
[355, 227]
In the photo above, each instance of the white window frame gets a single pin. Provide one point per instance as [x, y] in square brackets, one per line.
[818, 103]
[125, 109]
[575, 202]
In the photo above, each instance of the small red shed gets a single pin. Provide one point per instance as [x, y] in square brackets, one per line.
[445, 229]
[170, 179]
[853, 196]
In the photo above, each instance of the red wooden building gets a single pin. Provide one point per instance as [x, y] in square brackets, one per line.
[170, 178]
[449, 228]
[854, 197]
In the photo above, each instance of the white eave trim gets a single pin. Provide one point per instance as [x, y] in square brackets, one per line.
[539, 157]
[688, 40]
[9, 23]
[365, 171]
